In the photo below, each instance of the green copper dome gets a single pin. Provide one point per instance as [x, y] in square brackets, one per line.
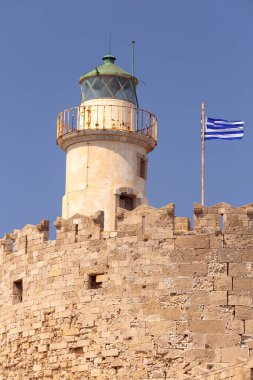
[108, 68]
[109, 81]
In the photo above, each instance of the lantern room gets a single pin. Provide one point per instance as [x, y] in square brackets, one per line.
[109, 81]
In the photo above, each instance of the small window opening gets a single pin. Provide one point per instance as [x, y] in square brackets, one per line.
[141, 167]
[126, 202]
[78, 351]
[251, 374]
[95, 281]
[17, 291]
[221, 222]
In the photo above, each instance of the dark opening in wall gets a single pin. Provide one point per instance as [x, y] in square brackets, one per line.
[142, 166]
[221, 222]
[96, 281]
[251, 374]
[17, 291]
[76, 232]
[126, 202]
[78, 351]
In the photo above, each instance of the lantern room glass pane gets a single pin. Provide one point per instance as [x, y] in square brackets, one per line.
[105, 86]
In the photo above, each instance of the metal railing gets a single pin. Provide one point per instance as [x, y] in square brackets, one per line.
[107, 117]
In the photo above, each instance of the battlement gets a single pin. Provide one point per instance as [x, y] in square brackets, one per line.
[156, 298]
[147, 220]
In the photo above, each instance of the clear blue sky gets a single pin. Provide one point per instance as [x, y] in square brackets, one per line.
[186, 52]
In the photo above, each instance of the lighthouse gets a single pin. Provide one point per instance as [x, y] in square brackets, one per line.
[106, 139]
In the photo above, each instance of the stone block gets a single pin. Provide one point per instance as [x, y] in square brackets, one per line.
[249, 327]
[239, 300]
[223, 283]
[181, 283]
[193, 312]
[42, 348]
[182, 255]
[239, 269]
[218, 297]
[242, 284]
[71, 331]
[236, 326]
[207, 327]
[193, 269]
[230, 355]
[199, 355]
[90, 354]
[171, 313]
[58, 346]
[222, 340]
[181, 224]
[54, 272]
[246, 255]
[37, 367]
[200, 297]
[229, 255]
[244, 312]
[101, 278]
[198, 341]
[82, 368]
[112, 352]
[160, 328]
[216, 241]
[192, 241]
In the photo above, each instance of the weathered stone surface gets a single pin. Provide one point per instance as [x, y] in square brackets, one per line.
[155, 301]
[230, 355]
[243, 284]
[192, 241]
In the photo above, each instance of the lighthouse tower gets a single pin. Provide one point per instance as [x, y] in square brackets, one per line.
[106, 140]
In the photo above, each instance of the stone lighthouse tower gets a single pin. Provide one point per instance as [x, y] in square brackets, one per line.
[106, 140]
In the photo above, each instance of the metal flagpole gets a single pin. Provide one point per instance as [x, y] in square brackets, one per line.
[203, 155]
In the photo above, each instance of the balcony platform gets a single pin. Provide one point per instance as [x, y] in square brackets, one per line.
[107, 122]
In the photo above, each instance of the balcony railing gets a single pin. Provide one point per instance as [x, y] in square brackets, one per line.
[107, 117]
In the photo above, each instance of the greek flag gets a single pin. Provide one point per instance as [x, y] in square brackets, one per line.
[223, 129]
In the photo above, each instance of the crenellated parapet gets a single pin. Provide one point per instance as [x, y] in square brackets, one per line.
[20, 241]
[147, 220]
[79, 228]
[218, 221]
[223, 216]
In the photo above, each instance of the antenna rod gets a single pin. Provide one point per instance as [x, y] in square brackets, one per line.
[133, 46]
[109, 43]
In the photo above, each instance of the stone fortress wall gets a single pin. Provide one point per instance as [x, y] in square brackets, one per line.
[155, 299]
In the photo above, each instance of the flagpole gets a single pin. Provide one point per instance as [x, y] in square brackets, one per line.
[203, 155]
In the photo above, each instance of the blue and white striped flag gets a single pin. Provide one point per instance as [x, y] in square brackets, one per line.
[223, 129]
